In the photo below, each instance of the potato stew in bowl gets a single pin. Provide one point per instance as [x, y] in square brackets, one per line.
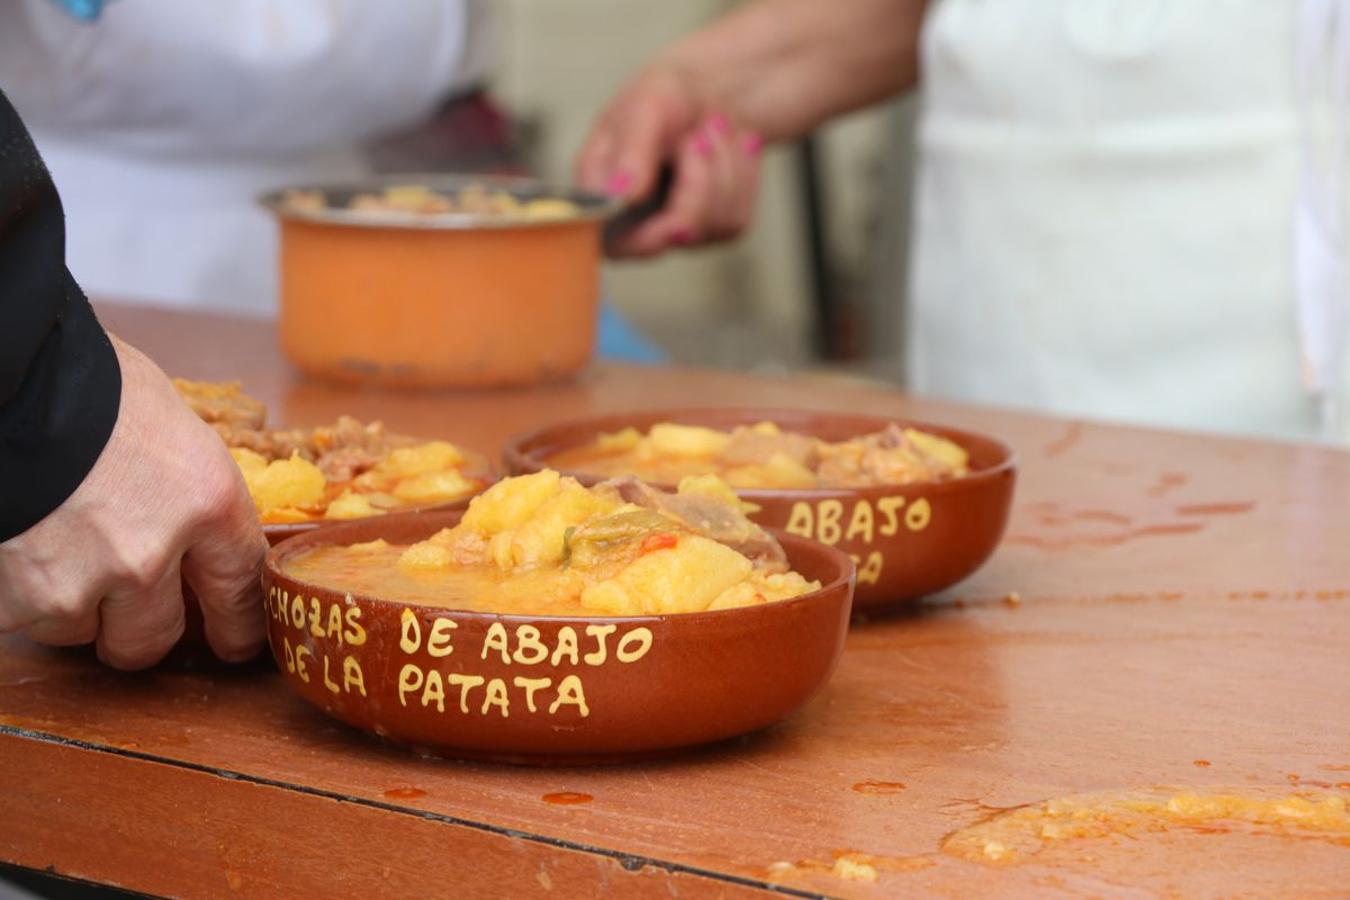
[552, 622]
[918, 506]
[301, 477]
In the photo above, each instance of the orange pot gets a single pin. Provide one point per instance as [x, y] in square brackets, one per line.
[443, 300]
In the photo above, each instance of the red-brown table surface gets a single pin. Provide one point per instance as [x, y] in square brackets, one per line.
[1184, 600]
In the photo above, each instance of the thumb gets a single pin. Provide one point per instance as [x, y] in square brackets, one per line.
[223, 568]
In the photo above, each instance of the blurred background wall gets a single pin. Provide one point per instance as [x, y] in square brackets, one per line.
[750, 304]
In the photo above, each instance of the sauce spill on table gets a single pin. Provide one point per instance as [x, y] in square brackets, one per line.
[851, 865]
[1216, 509]
[567, 798]
[1013, 836]
[1072, 433]
[1201, 763]
[1167, 481]
[879, 787]
[405, 793]
[1104, 540]
[1102, 515]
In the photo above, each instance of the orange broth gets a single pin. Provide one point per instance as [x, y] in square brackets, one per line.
[372, 570]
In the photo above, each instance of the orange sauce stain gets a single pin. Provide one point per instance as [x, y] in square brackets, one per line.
[1293, 777]
[1102, 515]
[1167, 481]
[1104, 540]
[879, 787]
[1202, 763]
[1072, 433]
[405, 793]
[567, 798]
[1023, 832]
[1169, 528]
[1216, 509]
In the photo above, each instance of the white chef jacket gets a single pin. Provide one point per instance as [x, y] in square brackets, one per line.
[162, 120]
[1104, 211]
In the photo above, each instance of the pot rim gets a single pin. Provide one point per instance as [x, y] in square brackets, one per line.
[592, 207]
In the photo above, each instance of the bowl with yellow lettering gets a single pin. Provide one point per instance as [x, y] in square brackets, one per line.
[908, 540]
[547, 690]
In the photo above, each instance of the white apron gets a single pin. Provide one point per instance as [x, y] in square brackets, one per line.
[1105, 208]
[162, 121]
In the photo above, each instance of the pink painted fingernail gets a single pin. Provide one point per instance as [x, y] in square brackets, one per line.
[703, 144]
[681, 236]
[719, 124]
[618, 183]
[752, 143]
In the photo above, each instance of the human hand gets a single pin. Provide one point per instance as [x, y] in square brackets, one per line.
[163, 504]
[659, 119]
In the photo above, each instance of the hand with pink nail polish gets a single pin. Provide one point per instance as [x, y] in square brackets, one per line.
[659, 120]
[707, 104]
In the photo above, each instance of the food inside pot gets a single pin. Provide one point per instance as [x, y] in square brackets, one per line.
[475, 199]
[542, 544]
[766, 456]
[347, 470]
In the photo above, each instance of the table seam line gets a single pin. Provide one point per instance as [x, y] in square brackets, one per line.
[631, 862]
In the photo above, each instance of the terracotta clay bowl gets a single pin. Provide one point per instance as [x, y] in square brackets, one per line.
[908, 540]
[438, 680]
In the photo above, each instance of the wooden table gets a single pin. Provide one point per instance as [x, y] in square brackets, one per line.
[1183, 625]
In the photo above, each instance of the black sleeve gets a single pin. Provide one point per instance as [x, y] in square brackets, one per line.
[60, 384]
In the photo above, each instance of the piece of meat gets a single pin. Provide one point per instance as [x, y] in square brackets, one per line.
[348, 448]
[710, 516]
[748, 447]
[221, 403]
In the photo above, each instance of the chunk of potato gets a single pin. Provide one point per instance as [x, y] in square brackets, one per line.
[782, 585]
[425, 557]
[611, 598]
[285, 482]
[433, 487]
[744, 593]
[939, 448]
[684, 578]
[404, 462]
[247, 460]
[351, 506]
[285, 515]
[668, 439]
[713, 486]
[509, 502]
[618, 441]
[540, 539]
[761, 588]
[550, 208]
